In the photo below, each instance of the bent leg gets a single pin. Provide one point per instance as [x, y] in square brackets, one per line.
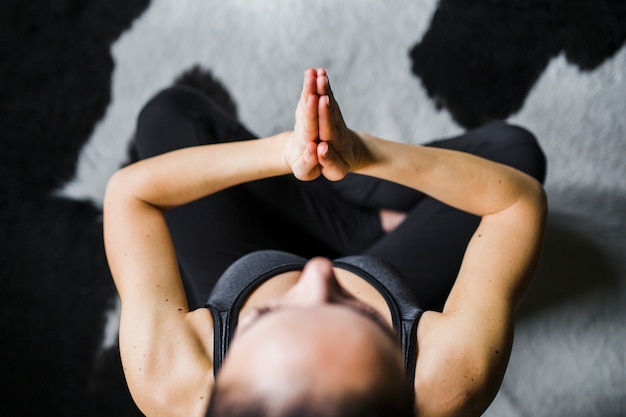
[279, 213]
[179, 117]
[428, 247]
[202, 231]
[211, 233]
[504, 143]
[497, 141]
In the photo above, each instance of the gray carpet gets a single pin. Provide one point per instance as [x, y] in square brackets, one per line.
[569, 357]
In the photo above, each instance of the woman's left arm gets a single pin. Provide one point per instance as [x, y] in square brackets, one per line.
[464, 350]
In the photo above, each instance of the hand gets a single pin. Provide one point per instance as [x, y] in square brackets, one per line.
[321, 143]
[340, 150]
[302, 148]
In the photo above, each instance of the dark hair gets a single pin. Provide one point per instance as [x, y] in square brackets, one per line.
[383, 399]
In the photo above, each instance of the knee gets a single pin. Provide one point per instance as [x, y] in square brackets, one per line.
[515, 146]
[165, 123]
[170, 101]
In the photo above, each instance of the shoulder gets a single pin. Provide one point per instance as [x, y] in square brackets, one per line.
[174, 375]
[460, 365]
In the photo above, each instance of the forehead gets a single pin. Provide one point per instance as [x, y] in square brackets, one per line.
[323, 318]
[324, 334]
[322, 346]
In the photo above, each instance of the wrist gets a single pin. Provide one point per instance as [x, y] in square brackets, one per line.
[369, 152]
[275, 151]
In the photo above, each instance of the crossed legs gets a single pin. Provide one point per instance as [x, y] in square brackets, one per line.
[426, 239]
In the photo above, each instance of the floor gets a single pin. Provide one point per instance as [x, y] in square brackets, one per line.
[76, 73]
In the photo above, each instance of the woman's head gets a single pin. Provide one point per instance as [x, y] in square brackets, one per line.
[315, 348]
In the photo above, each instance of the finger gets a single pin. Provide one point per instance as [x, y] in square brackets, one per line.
[307, 167]
[311, 153]
[326, 127]
[308, 160]
[322, 83]
[309, 85]
[333, 167]
[311, 121]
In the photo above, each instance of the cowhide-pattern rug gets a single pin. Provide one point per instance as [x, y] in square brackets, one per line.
[74, 74]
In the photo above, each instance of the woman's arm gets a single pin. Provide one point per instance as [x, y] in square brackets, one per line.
[463, 351]
[166, 350]
[138, 195]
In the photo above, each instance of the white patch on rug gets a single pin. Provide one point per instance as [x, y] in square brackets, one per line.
[260, 51]
[580, 121]
[112, 326]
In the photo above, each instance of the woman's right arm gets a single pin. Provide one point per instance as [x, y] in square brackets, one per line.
[165, 348]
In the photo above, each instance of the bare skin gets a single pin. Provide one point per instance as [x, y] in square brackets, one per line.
[463, 351]
[314, 100]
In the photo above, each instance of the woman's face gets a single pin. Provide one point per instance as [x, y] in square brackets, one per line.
[315, 337]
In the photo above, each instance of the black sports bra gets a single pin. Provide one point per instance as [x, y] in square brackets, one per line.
[243, 276]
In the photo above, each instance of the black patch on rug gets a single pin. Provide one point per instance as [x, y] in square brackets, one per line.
[55, 80]
[480, 59]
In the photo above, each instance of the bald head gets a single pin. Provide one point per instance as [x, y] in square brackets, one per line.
[321, 351]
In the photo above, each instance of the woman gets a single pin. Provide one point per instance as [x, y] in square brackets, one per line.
[419, 228]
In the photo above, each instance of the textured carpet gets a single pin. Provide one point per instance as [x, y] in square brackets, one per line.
[77, 72]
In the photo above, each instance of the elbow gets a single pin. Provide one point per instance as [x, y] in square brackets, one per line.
[117, 185]
[534, 197]
[452, 404]
[539, 198]
[437, 396]
[122, 191]
[544, 201]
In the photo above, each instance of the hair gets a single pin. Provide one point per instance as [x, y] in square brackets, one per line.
[382, 399]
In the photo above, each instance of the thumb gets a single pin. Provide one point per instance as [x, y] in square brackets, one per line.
[333, 167]
[306, 167]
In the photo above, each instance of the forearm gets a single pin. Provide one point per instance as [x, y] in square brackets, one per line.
[187, 174]
[461, 180]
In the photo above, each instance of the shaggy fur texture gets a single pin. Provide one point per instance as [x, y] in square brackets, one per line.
[74, 74]
[55, 287]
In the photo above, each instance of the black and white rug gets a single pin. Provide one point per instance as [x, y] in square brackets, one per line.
[74, 74]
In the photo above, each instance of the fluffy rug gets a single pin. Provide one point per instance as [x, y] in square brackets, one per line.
[74, 74]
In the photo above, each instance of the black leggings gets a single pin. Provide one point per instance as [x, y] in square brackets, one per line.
[317, 218]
